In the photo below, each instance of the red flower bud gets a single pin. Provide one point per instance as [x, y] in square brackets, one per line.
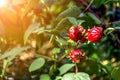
[77, 55]
[95, 34]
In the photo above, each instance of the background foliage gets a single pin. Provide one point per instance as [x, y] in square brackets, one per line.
[34, 43]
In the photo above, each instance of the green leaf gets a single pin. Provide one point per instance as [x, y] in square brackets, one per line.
[111, 1]
[43, 30]
[108, 31]
[29, 6]
[45, 77]
[55, 32]
[30, 29]
[98, 3]
[73, 20]
[79, 22]
[56, 50]
[116, 73]
[12, 53]
[39, 30]
[91, 64]
[52, 38]
[92, 16]
[37, 64]
[78, 76]
[69, 13]
[62, 41]
[117, 27]
[89, 22]
[82, 76]
[69, 76]
[52, 70]
[5, 63]
[63, 25]
[66, 67]
[58, 78]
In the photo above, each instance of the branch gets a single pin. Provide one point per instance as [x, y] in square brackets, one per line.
[85, 4]
[88, 6]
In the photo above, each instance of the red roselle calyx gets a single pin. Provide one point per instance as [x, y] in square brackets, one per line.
[77, 55]
[74, 33]
[95, 34]
[77, 33]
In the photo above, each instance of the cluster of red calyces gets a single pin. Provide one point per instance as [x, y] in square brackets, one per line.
[78, 33]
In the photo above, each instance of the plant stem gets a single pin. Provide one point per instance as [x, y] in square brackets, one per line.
[76, 69]
[88, 6]
[62, 57]
[85, 4]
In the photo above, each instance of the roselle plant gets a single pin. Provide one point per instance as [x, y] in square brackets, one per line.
[60, 40]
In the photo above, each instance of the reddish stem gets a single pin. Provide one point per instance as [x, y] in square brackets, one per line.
[76, 69]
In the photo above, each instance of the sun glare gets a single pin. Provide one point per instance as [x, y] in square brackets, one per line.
[3, 2]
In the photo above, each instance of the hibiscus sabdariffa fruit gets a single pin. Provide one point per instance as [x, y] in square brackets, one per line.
[74, 33]
[77, 55]
[95, 34]
[77, 33]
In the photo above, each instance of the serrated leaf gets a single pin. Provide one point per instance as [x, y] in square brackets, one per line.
[29, 6]
[36, 64]
[12, 53]
[92, 16]
[73, 20]
[78, 76]
[69, 13]
[45, 77]
[116, 73]
[30, 29]
[66, 67]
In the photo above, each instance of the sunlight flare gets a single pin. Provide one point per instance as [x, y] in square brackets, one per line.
[3, 3]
